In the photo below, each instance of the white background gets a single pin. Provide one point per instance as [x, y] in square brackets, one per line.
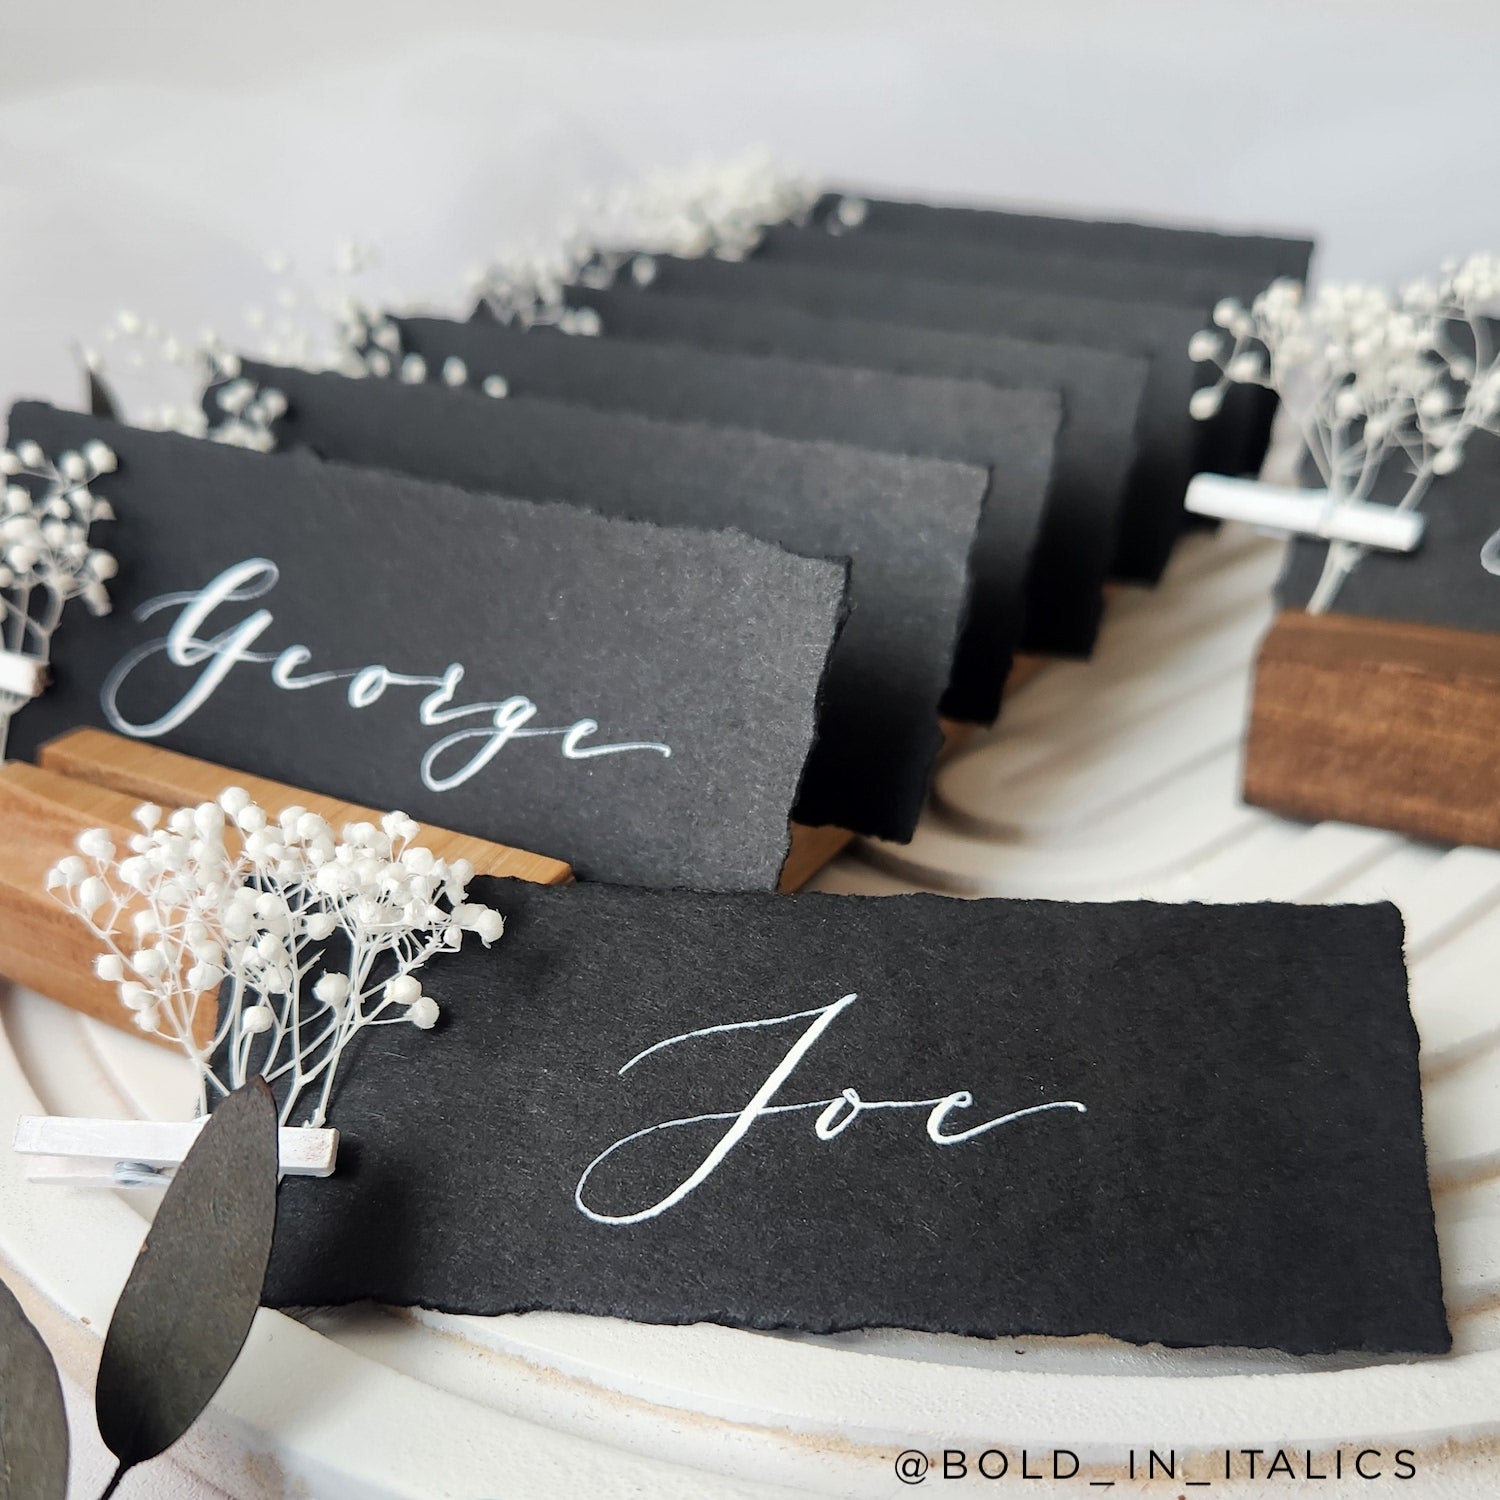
[150, 154]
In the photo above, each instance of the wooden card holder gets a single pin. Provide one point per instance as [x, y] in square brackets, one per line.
[813, 848]
[1381, 723]
[89, 779]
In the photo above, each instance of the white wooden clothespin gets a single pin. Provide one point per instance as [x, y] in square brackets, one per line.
[1298, 512]
[145, 1153]
[22, 676]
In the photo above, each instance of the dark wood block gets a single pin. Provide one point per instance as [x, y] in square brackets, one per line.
[1378, 722]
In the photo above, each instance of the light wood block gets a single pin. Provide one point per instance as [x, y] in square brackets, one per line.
[1022, 670]
[808, 852]
[1379, 723]
[147, 773]
[42, 946]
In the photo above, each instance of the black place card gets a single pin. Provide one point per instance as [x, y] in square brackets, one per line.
[637, 700]
[1187, 1124]
[1238, 435]
[1095, 271]
[907, 526]
[1445, 581]
[1188, 246]
[1111, 257]
[1171, 442]
[1101, 395]
[1009, 432]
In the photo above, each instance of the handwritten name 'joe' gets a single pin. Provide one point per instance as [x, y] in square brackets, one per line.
[834, 1114]
[449, 761]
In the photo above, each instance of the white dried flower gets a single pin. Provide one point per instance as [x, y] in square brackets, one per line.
[1203, 346]
[403, 989]
[719, 208]
[229, 907]
[1206, 403]
[96, 844]
[1377, 382]
[92, 894]
[45, 558]
[320, 925]
[486, 923]
[149, 963]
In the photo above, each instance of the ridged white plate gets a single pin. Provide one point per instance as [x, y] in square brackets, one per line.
[1112, 779]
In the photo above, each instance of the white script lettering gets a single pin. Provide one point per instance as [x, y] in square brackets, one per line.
[1489, 554]
[187, 645]
[834, 1115]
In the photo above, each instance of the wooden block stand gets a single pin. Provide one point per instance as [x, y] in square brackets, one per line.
[1380, 723]
[88, 779]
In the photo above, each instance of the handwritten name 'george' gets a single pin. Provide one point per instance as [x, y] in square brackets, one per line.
[449, 761]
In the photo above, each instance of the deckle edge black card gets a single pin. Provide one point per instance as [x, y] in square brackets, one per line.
[1008, 431]
[1213, 261]
[1193, 1125]
[1278, 254]
[1171, 444]
[1101, 394]
[634, 699]
[907, 525]
[1238, 434]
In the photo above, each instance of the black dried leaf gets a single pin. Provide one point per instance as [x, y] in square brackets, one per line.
[191, 1296]
[33, 1419]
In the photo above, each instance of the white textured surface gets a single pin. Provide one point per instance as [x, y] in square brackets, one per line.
[1107, 780]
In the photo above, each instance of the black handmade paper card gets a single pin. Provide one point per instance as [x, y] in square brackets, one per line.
[1095, 445]
[1238, 435]
[1171, 443]
[637, 700]
[907, 525]
[1191, 1124]
[1009, 432]
[1257, 255]
[1444, 582]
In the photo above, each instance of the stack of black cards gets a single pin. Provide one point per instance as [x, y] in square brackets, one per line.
[636, 600]
[731, 563]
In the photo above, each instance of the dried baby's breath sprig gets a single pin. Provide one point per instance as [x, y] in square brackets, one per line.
[46, 510]
[718, 208]
[712, 208]
[242, 418]
[1373, 380]
[302, 938]
[849, 213]
[329, 324]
